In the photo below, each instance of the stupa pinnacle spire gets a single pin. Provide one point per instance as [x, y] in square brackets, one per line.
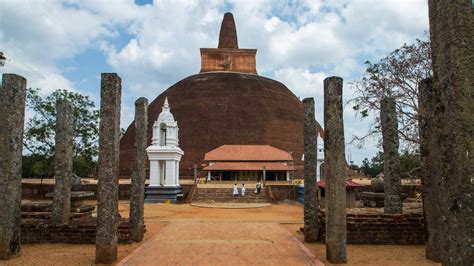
[166, 106]
[228, 33]
[228, 56]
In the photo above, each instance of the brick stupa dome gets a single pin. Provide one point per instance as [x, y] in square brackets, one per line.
[227, 103]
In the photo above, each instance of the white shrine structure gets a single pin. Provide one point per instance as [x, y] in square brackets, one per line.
[164, 155]
[320, 159]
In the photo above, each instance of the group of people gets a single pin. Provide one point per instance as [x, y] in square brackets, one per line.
[235, 189]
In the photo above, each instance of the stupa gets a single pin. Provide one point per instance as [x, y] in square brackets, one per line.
[227, 103]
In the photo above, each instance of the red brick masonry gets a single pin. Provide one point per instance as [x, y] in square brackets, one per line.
[379, 228]
[78, 231]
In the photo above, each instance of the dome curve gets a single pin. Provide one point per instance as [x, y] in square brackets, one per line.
[218, 108]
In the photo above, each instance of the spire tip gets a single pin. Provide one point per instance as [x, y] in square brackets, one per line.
[228, 33]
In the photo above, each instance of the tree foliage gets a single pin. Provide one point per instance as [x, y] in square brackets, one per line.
[398, 75]
[373, 167]
[409, 165]
[39, 130]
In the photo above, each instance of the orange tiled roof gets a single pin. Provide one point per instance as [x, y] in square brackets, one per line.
[247, 153]
[348, 183]
[248, 166]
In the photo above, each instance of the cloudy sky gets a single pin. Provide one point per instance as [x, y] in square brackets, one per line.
[154, 44]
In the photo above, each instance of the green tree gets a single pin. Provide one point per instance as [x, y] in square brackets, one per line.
[397, 75]
[373, 167]
[82, 167]
[39, 130]
[409, 165]
[365, 167]
[36, 166]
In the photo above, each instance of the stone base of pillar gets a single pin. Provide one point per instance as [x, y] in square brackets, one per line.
[162, 194]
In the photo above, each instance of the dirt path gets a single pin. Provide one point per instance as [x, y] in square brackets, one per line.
[222, 243]
[158, 216]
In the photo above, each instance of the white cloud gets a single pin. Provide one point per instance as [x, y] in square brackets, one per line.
[307, 84]
[301, 81]
[116, 12]
[36, 35]
[298, 43]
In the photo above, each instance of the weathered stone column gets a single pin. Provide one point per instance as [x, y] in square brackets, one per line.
[311, 206]
[264, 175]
[107, 186]
[452, 42]
[12, 116]
[391, 171]
[429, 155]
[335, 167]
[137, 196]
[63, 162]
[195, 174]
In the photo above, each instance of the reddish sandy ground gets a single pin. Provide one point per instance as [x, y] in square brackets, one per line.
[222, 243]
[157, 216]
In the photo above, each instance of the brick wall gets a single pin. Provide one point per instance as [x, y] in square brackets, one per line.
[37, 191]
[410, 190]
[281, 192]
[236, 60]
[188, 192]
[386, 229]
[79, 231]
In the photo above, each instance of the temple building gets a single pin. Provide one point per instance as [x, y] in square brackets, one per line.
[227, 103]
[248, 163]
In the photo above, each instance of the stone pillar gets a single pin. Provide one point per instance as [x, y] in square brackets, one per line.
[196, 174]
[107, 186]
[137, 197]
[452, 42]
[334, 152]
[76, 182]
[429, 155]
[391, 171]
[64, 142]
[12, 116]
[311, 208]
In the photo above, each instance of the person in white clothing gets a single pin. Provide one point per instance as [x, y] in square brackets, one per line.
[242, 190]
[235, 190]
[258, 187]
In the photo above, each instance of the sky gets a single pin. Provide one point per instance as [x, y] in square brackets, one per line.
[154, 44]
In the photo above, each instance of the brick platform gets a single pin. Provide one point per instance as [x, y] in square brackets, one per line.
[78, 231]
[374, 227]
[34, 191]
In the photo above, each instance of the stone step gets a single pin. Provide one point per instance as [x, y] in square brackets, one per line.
[228, 201]
[227, 196]
[225, 189]
[231, 199]
[210, 195]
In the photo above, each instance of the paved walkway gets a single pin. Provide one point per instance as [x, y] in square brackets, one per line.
[223, 243]
[229, 205]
